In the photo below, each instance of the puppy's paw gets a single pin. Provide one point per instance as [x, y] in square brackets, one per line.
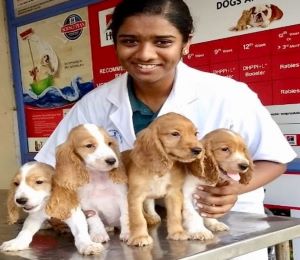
[90, 249]
[140, 240]
[201, 235]
[152, 219]
[99, 237]
[124, 236]
[217, 227]
[179, 235]
[14, 245]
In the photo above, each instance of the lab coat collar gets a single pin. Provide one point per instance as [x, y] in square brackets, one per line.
[183, 91]
[122, 114]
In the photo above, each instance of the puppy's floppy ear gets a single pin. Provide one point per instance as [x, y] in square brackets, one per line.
[70, 170]
[61, 202]
[211, 169]
[70, 174]
[247, 176]
[12, 209]
[149, 152]
[197, 167]
[118, 175]
[276, 13]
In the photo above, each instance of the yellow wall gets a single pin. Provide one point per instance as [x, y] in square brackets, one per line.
[9, 148]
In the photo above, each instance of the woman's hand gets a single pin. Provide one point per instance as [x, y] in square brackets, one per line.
[214, 202]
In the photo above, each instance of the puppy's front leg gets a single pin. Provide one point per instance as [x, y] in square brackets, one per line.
[124, 219]
[137, 224]
[31, 225]
[193, 222]
[97, 229]
[174, 216]
[79, 228]
[150, 214]
[215, 225]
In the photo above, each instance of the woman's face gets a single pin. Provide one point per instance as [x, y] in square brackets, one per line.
[149, 48]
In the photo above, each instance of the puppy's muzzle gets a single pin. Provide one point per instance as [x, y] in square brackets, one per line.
[196, 150]
[22, 201]
[110, 161]
[243, 166]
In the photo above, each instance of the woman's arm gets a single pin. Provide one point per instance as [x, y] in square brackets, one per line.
[214, 202]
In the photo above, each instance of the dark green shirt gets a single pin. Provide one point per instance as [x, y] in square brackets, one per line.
[142, 115]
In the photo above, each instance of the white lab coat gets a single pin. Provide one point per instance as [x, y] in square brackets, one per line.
[209, 100]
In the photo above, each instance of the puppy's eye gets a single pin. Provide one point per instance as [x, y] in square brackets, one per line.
[16, 183]
[39, 182]
[89, 146]
[175, 134]
[110, 143]
[225, 149]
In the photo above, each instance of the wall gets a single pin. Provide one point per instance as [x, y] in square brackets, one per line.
[9, 148]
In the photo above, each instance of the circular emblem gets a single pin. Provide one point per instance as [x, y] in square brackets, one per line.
[115, 134]
[73, 27]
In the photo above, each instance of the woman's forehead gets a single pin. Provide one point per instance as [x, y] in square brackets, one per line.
[147, 24]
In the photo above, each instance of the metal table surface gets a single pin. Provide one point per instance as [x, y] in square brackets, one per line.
[249, 232]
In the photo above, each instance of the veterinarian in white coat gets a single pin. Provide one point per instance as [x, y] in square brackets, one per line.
[150, 46]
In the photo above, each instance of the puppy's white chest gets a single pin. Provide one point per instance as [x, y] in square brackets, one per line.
[159, 185]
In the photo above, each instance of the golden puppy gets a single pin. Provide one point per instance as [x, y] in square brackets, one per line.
[156, 169]
[226, 156]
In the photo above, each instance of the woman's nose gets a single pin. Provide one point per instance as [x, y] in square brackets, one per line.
[146, 51]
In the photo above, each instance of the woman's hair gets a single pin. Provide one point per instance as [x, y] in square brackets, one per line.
[175, 11]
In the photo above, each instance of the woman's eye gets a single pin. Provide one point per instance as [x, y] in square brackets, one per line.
[128, 42]
[39, 182]
[89, 146]
[16, 183]
[175, 134]
[163, 43]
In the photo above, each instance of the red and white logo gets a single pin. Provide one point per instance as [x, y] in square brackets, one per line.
[104, 18]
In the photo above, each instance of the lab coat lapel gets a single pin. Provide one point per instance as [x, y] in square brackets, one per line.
[121, 116]
[182, 94]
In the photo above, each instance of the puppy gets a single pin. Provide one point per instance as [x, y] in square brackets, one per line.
[243, 22]
[263, 15]
[226, 156]
[30, 190]
[155, 168]
[90, 172]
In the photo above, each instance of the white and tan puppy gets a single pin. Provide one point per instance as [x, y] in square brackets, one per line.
[30, 190]
[92, 175]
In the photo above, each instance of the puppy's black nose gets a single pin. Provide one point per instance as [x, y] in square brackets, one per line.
[21, 201]
[196, 150]
[110, 161]
[243, 166]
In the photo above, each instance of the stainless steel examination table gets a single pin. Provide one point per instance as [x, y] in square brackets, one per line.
[249, 232]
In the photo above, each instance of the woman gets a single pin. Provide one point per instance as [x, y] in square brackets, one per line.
[150, 38]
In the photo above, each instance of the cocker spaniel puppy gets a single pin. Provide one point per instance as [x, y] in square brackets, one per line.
[156, 169]
[30, 190]
[226, 156]
[91, 174]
